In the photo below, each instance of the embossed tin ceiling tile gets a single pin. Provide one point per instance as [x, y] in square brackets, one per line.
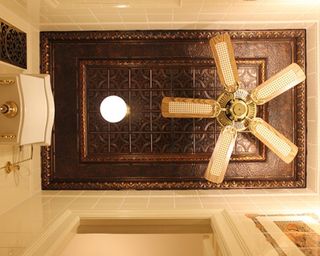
[13, 44]
[137, 85]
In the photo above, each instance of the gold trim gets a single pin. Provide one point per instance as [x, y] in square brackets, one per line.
[5, 82]
[7, 136]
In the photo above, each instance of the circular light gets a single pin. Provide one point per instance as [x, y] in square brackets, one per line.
[113, 109]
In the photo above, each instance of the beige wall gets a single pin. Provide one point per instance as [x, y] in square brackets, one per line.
[16, 187]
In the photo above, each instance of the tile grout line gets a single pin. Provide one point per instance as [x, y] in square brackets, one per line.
[122, 203]
[96, 203]
[148, 202]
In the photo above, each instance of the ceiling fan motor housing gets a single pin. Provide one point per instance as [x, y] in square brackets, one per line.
[238, 109]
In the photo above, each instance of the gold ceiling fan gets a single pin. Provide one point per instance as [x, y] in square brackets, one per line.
[236, 109]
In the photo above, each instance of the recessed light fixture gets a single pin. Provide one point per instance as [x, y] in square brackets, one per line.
[113, 109]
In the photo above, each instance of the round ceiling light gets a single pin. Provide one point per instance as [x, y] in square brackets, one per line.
[113, 109]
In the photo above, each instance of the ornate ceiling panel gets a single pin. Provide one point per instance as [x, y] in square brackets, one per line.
[145, 150]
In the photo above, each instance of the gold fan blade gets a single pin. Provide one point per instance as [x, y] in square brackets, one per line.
[226, 64]
[221, 155]
[277, 84]
[189, 108]
[273, 139]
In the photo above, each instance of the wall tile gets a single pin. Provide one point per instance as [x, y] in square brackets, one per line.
[109, 203]
[312, 108]
[134, 18]
[189, 203]
[159, 17]
[84, 203]
[185, 193]
[312, 85]
[312, 61]
[311, 37]
[83, 18]
[108, 18]
[131, 203]
[312, 178]
[191, 17]
[161, 203]
[312, 157]
[93, 193]
[312, 131]
[213, 200]
[57, 19]
[88, 27]
[158, 193]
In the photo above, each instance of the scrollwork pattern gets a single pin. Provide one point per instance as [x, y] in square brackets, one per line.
[13, 45]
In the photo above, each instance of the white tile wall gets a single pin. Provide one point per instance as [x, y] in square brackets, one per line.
[68, 14]
[21, 225]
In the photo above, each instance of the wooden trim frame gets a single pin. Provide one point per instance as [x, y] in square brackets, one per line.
[49, 181]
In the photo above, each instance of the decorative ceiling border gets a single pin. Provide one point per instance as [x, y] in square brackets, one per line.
[299, 36]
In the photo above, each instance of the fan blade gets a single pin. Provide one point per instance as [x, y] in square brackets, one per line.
[189, 108]
[273, 139]
[277, 84]
[221, 155]
[226, 64]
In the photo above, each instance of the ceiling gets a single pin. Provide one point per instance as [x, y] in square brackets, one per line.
[164, 14]
[146, 150]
